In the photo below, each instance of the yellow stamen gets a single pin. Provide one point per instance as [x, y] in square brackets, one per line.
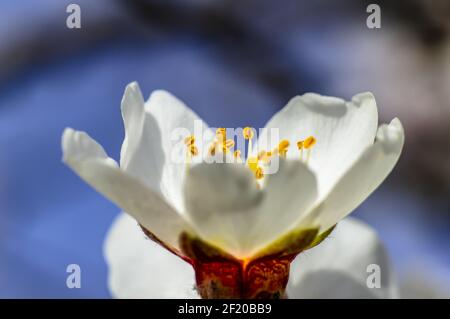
[248, 134]
[221, 134]
[283, 147]
[193, 150]
[237, 154]
[284, 144]
[221, 131]
[227, 145]
[259, 173]
[301, 146]
[212, 149]
[190, 140]
[309, 142]
[252, 163]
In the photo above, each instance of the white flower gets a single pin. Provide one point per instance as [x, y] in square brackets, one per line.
[346, 158]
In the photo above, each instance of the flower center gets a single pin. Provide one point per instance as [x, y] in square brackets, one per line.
[254, 163]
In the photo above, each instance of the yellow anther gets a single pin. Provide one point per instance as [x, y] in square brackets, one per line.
[193, 150]
[309, 142]
[221, 131]
[252, 163]
[283, 145]
[283, 148]
[190, 140]
[237, 154]
[248, 133]
[227, 145]
[212, 149]
[221, 134]
[259, 173]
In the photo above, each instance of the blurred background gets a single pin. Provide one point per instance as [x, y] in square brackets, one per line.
[235, 63]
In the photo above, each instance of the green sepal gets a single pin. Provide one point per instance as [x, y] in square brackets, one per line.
[320, 238]
[289, 244]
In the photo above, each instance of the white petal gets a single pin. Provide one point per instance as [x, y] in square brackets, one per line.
[141, 155]
[153, 148]
[176, 121]
[343, 131]
[337, 268]
[221, 200]
[363, 177]
[88, 159]
[228, 210]
[139, 268]
[289, 195]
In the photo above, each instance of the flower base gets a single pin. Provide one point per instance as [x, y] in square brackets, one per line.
[219, 275]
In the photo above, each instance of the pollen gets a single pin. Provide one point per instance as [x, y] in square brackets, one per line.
[309, 142]
[227, 145]
[248, 133]
[259, 173]
[212, 149]
[190, 140]
[221, 134]
[193, 150]
[256, 162]
[221, 131]
[283, 147]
